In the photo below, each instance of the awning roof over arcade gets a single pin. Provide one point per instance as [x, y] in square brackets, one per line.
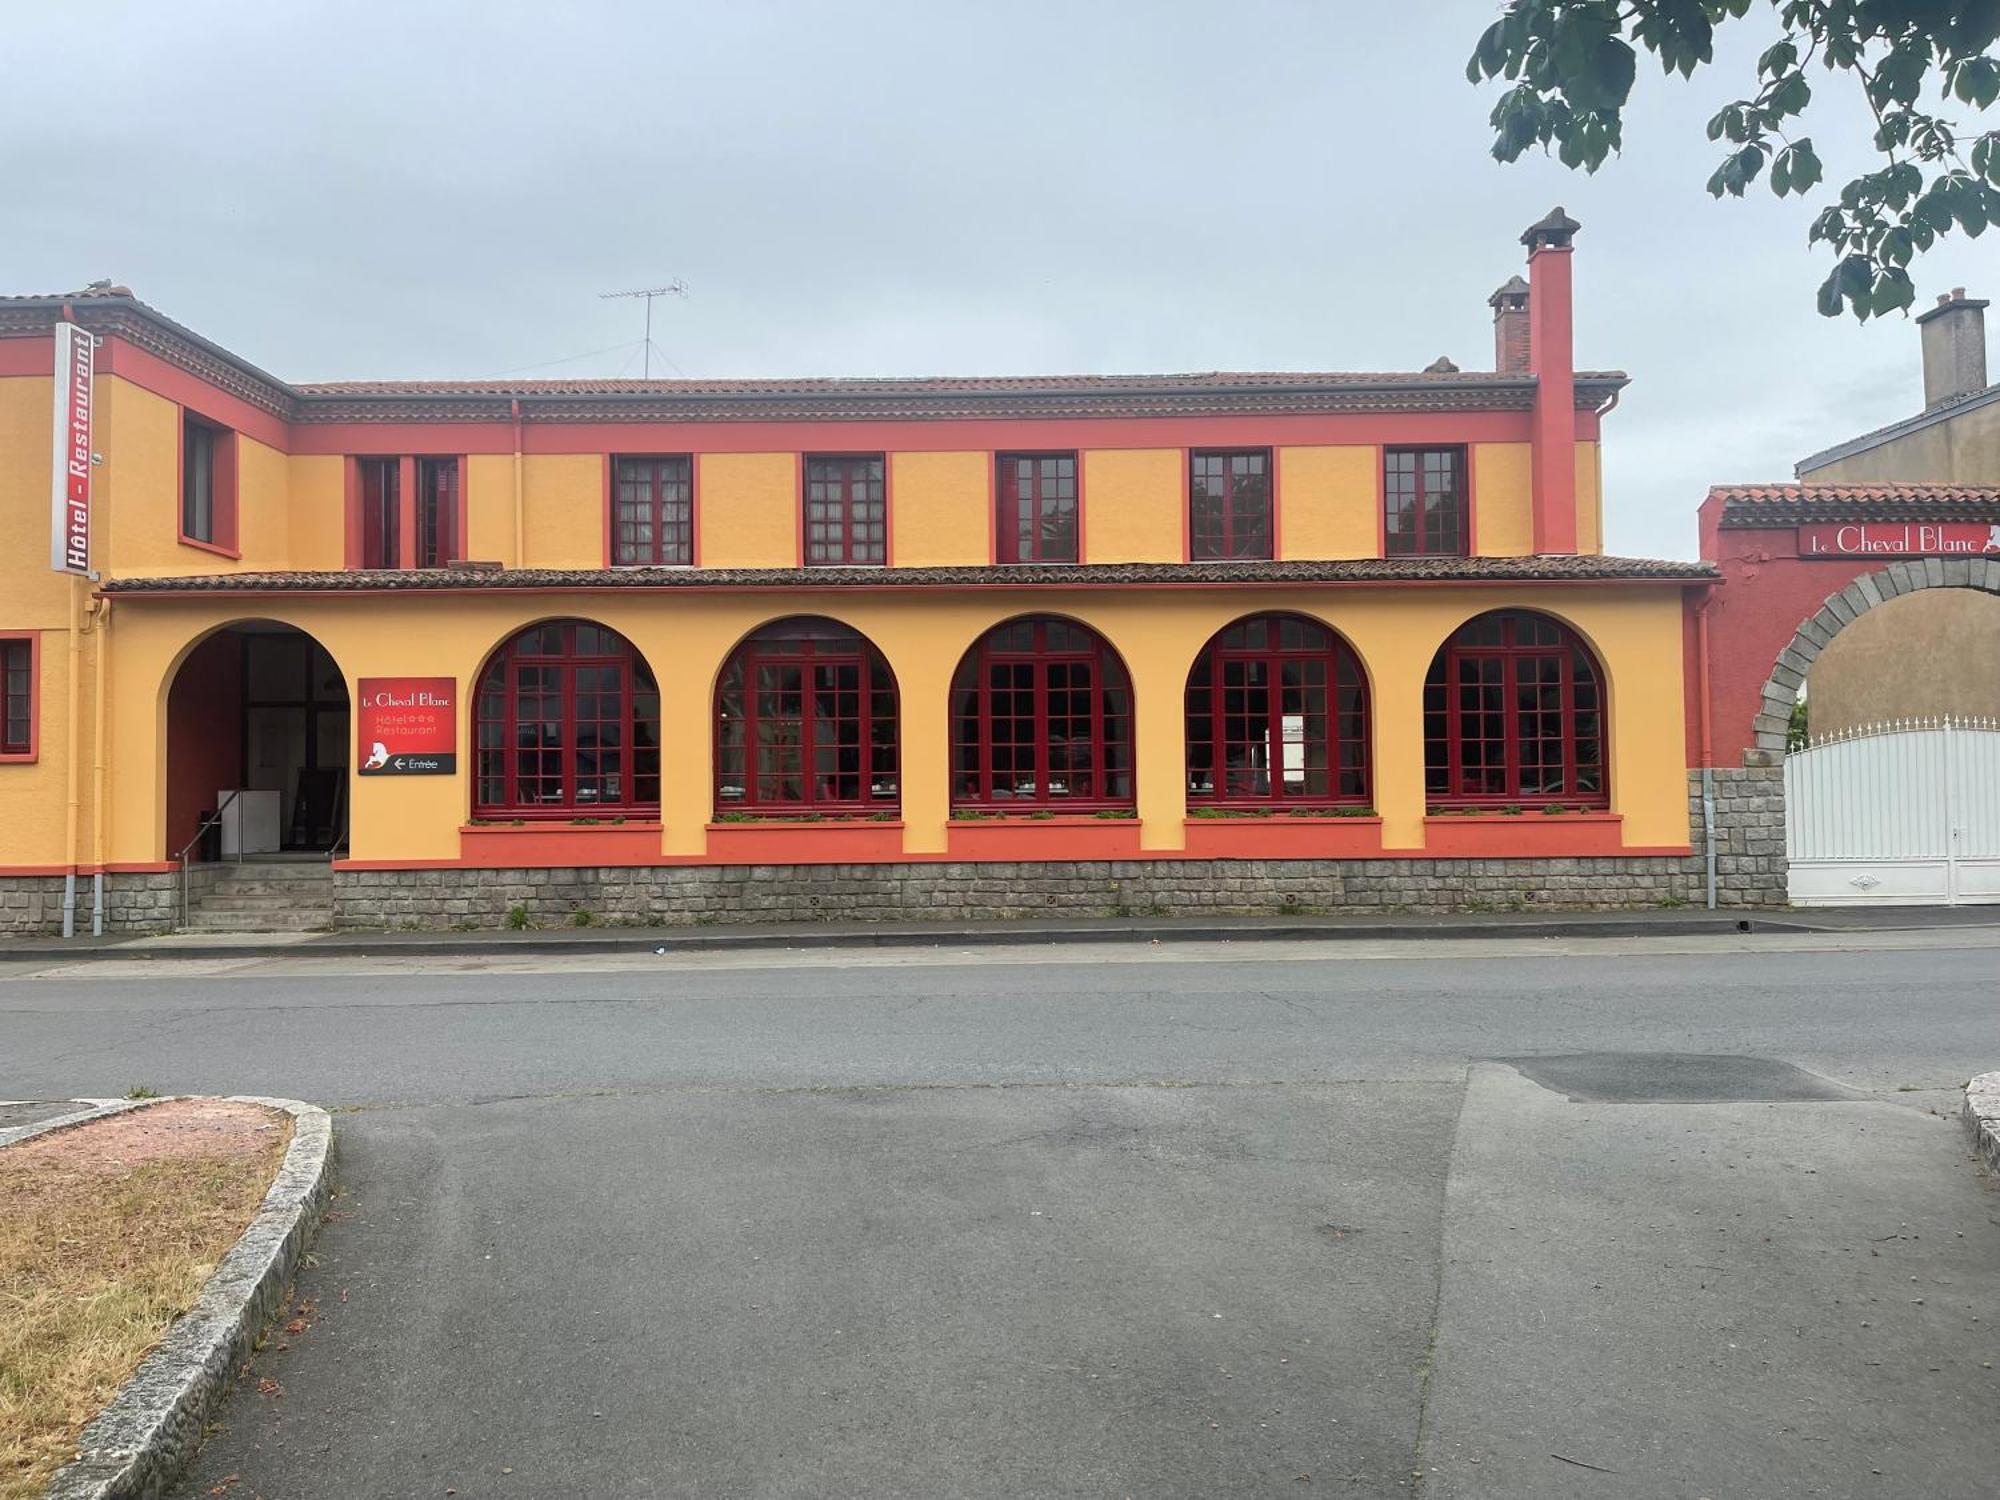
[1072, 575]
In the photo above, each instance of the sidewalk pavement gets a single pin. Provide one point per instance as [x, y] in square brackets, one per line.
[1414, 926]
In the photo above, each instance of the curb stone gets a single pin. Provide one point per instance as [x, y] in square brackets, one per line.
[137, 1446]
[94, 1109]
[1981, 1113]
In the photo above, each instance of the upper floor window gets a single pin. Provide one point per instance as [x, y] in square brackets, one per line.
[208, 483]
[17, 697]
[847, 512]
[1036, 520]
[652, 521]
[1229, 504]
[1423, 502]
[425, 535]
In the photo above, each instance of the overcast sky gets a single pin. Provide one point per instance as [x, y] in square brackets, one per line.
[349, 191]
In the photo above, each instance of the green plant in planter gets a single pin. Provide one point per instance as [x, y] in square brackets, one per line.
[1512, 810]
[734, 816]
[1553, 809]
[1354, 812]
[1042, 814]
[883, 817]
[972, 815]
[586, 822]
[1115, 812]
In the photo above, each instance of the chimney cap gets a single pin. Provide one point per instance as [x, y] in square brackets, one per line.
[1950, 302]
[1551, 232]
[1516, 289]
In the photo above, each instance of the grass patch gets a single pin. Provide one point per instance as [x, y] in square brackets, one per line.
[96, 1261]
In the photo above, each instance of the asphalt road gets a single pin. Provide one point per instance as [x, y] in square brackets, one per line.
[1454, 1220]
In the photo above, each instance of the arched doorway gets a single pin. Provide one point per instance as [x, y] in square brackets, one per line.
[258, 736]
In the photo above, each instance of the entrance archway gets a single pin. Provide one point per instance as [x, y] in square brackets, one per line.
[258, 709]
[1868, 592]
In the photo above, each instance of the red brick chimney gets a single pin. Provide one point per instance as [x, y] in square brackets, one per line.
[1510, 327]
[1552, 359]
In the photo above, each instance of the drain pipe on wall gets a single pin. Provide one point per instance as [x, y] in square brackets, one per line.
[1707, 739]
[99, 734]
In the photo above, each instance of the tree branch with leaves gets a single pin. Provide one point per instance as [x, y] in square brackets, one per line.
[1572, 63]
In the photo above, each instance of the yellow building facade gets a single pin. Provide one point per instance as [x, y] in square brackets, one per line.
[694, 649]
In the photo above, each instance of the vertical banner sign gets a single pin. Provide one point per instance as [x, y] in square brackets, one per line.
[407, 726]
[69, 500]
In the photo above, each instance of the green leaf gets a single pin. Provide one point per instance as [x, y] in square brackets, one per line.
[1796, 168]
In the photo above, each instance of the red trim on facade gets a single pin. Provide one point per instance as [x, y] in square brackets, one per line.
[1057, 839]
[1284, 838]
[149, 372]
[778, 842]
[1531, 835]
[29, 356]
[491, 847]
[952, 434]
[33, 752]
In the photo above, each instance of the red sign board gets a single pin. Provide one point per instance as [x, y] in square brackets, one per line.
[1898, 539]
[407, 726]
[69, 499]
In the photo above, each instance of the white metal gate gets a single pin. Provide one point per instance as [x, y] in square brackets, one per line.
[1901, 813]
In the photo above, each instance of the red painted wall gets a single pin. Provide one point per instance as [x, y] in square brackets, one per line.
[1767, 592]
[204, 733]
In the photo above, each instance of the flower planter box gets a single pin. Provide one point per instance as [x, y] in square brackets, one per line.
[1525, 835]
[783, 841]
[549, 846]
[1282, 837]
[1059, 838]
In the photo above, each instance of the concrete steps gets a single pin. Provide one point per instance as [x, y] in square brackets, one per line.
[262, 896]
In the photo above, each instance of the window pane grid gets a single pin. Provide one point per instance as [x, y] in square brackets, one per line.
[16, 697]
[1513, 714]
[1037, 508]
[1276, 712]
[1229, 505]
[566, 723]
[806, 722]
[846, 512]
[1041, 718]
[653, 515]
[1423, 502]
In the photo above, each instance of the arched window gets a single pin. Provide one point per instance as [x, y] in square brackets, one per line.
[568, 724]
[1514, 713]
[1041, 717]
[1276, 712]
[805, 721]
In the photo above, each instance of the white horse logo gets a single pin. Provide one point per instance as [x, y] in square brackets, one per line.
[1992, 539]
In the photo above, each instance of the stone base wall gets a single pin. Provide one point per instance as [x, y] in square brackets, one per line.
[134, 903]
[1750, 867]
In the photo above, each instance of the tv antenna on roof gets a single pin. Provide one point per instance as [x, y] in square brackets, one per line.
[671, 289]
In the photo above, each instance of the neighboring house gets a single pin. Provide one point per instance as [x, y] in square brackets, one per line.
[696, 649]
[1938, 653]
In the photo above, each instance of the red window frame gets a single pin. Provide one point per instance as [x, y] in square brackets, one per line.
[1514, 714]
[1037, 513]
[210, 446]
[588, 675]
[20, 696]
[844, 518]
[652, 511]
[1424, 510]
[775, 759]
[378, 491]
[438, 541]
[1230, 518]
[1024, 697]
[1237, 700]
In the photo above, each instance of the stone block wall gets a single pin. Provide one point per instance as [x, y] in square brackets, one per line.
[1750, 864]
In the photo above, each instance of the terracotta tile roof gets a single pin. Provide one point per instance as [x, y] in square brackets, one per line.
[1749, 505]
[115, 310]
[1354, 571]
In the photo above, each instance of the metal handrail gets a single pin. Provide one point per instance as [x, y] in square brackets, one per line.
[207, 823]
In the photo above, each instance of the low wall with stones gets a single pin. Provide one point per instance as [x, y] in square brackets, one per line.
[1750, 867]
[134, 903]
